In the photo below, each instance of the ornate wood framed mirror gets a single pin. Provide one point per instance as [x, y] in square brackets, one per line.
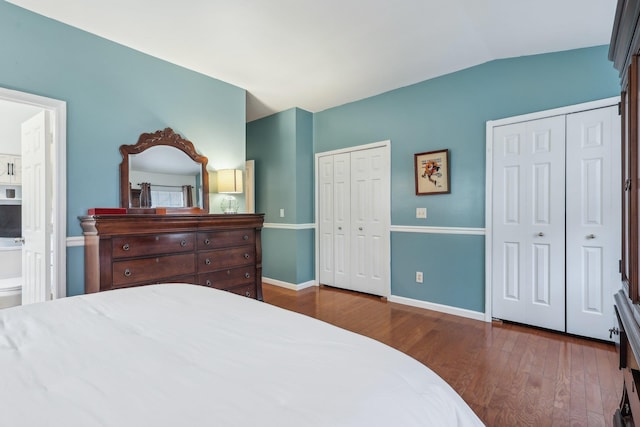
[163, 170]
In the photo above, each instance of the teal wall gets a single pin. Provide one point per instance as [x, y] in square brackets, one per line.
[282, 147]
[113, 94]
[304, 167]
[446, 112]
[451, 112]
[271, 142]
[288, 255]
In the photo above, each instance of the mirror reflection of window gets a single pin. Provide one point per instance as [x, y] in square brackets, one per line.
[170, 197]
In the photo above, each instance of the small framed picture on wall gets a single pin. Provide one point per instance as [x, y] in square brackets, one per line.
[432, 172]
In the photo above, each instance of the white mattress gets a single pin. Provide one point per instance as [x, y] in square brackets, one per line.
[186, 355]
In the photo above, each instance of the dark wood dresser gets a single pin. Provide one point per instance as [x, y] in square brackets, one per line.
[220, 251]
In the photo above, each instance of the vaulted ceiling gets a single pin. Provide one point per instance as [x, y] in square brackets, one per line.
[319, 54]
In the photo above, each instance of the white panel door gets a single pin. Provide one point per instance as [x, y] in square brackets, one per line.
[369, 216]
[36, 204]
[593, 220]
[528, 223]
[342, 219]
[325, 219]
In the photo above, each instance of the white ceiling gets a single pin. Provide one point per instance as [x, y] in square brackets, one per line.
[165, 160]
[317, 54]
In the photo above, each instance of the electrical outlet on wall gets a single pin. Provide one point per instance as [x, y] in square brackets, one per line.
[418, 276]
[421, 213]
[282, 213]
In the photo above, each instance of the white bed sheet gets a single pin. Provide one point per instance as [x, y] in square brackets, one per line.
[186, 355]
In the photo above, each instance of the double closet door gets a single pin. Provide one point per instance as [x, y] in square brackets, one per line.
[556, 221]
[353, 220]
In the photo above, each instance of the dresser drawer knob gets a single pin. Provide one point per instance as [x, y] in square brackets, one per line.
[247, 275]
[228, 272]
[206, 241]
[245, 237]
[207, 261]
[246, 256]
[208, 282]
[127, 272]
[125, 247]
[183, 243]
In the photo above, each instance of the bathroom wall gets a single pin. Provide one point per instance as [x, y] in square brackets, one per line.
[10, 259]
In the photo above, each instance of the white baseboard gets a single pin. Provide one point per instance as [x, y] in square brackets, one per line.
[287, 285]
[462, 312]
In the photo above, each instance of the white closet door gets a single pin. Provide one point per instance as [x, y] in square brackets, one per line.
[334, 208]
[369, 218]
[342, 219]
[353, 220]
[325, 219]
[528, 223]
[593, 220]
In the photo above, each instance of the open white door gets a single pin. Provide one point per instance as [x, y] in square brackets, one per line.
[36, 205]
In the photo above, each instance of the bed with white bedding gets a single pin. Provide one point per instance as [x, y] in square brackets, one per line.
[186, 355]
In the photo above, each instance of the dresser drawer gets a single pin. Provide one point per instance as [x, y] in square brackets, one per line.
[244, 290]
[228, 278]
[147, 270]
[226, 258]
[153, 244]
[191, 280]
[225, 239]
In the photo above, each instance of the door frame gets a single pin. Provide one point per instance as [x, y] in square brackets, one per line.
[490, 125]
[59, 173]
[387, 227]
[250, 186]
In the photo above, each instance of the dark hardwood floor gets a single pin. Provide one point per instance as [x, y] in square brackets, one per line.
[510, 375]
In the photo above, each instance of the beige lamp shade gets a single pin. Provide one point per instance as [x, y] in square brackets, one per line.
[230, 181]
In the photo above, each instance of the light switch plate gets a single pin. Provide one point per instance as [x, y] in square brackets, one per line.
[421, 213]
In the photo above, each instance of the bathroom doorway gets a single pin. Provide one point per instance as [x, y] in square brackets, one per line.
[15, 109]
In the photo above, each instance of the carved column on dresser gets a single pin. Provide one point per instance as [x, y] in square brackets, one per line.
[219, 251]
[91, 256]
